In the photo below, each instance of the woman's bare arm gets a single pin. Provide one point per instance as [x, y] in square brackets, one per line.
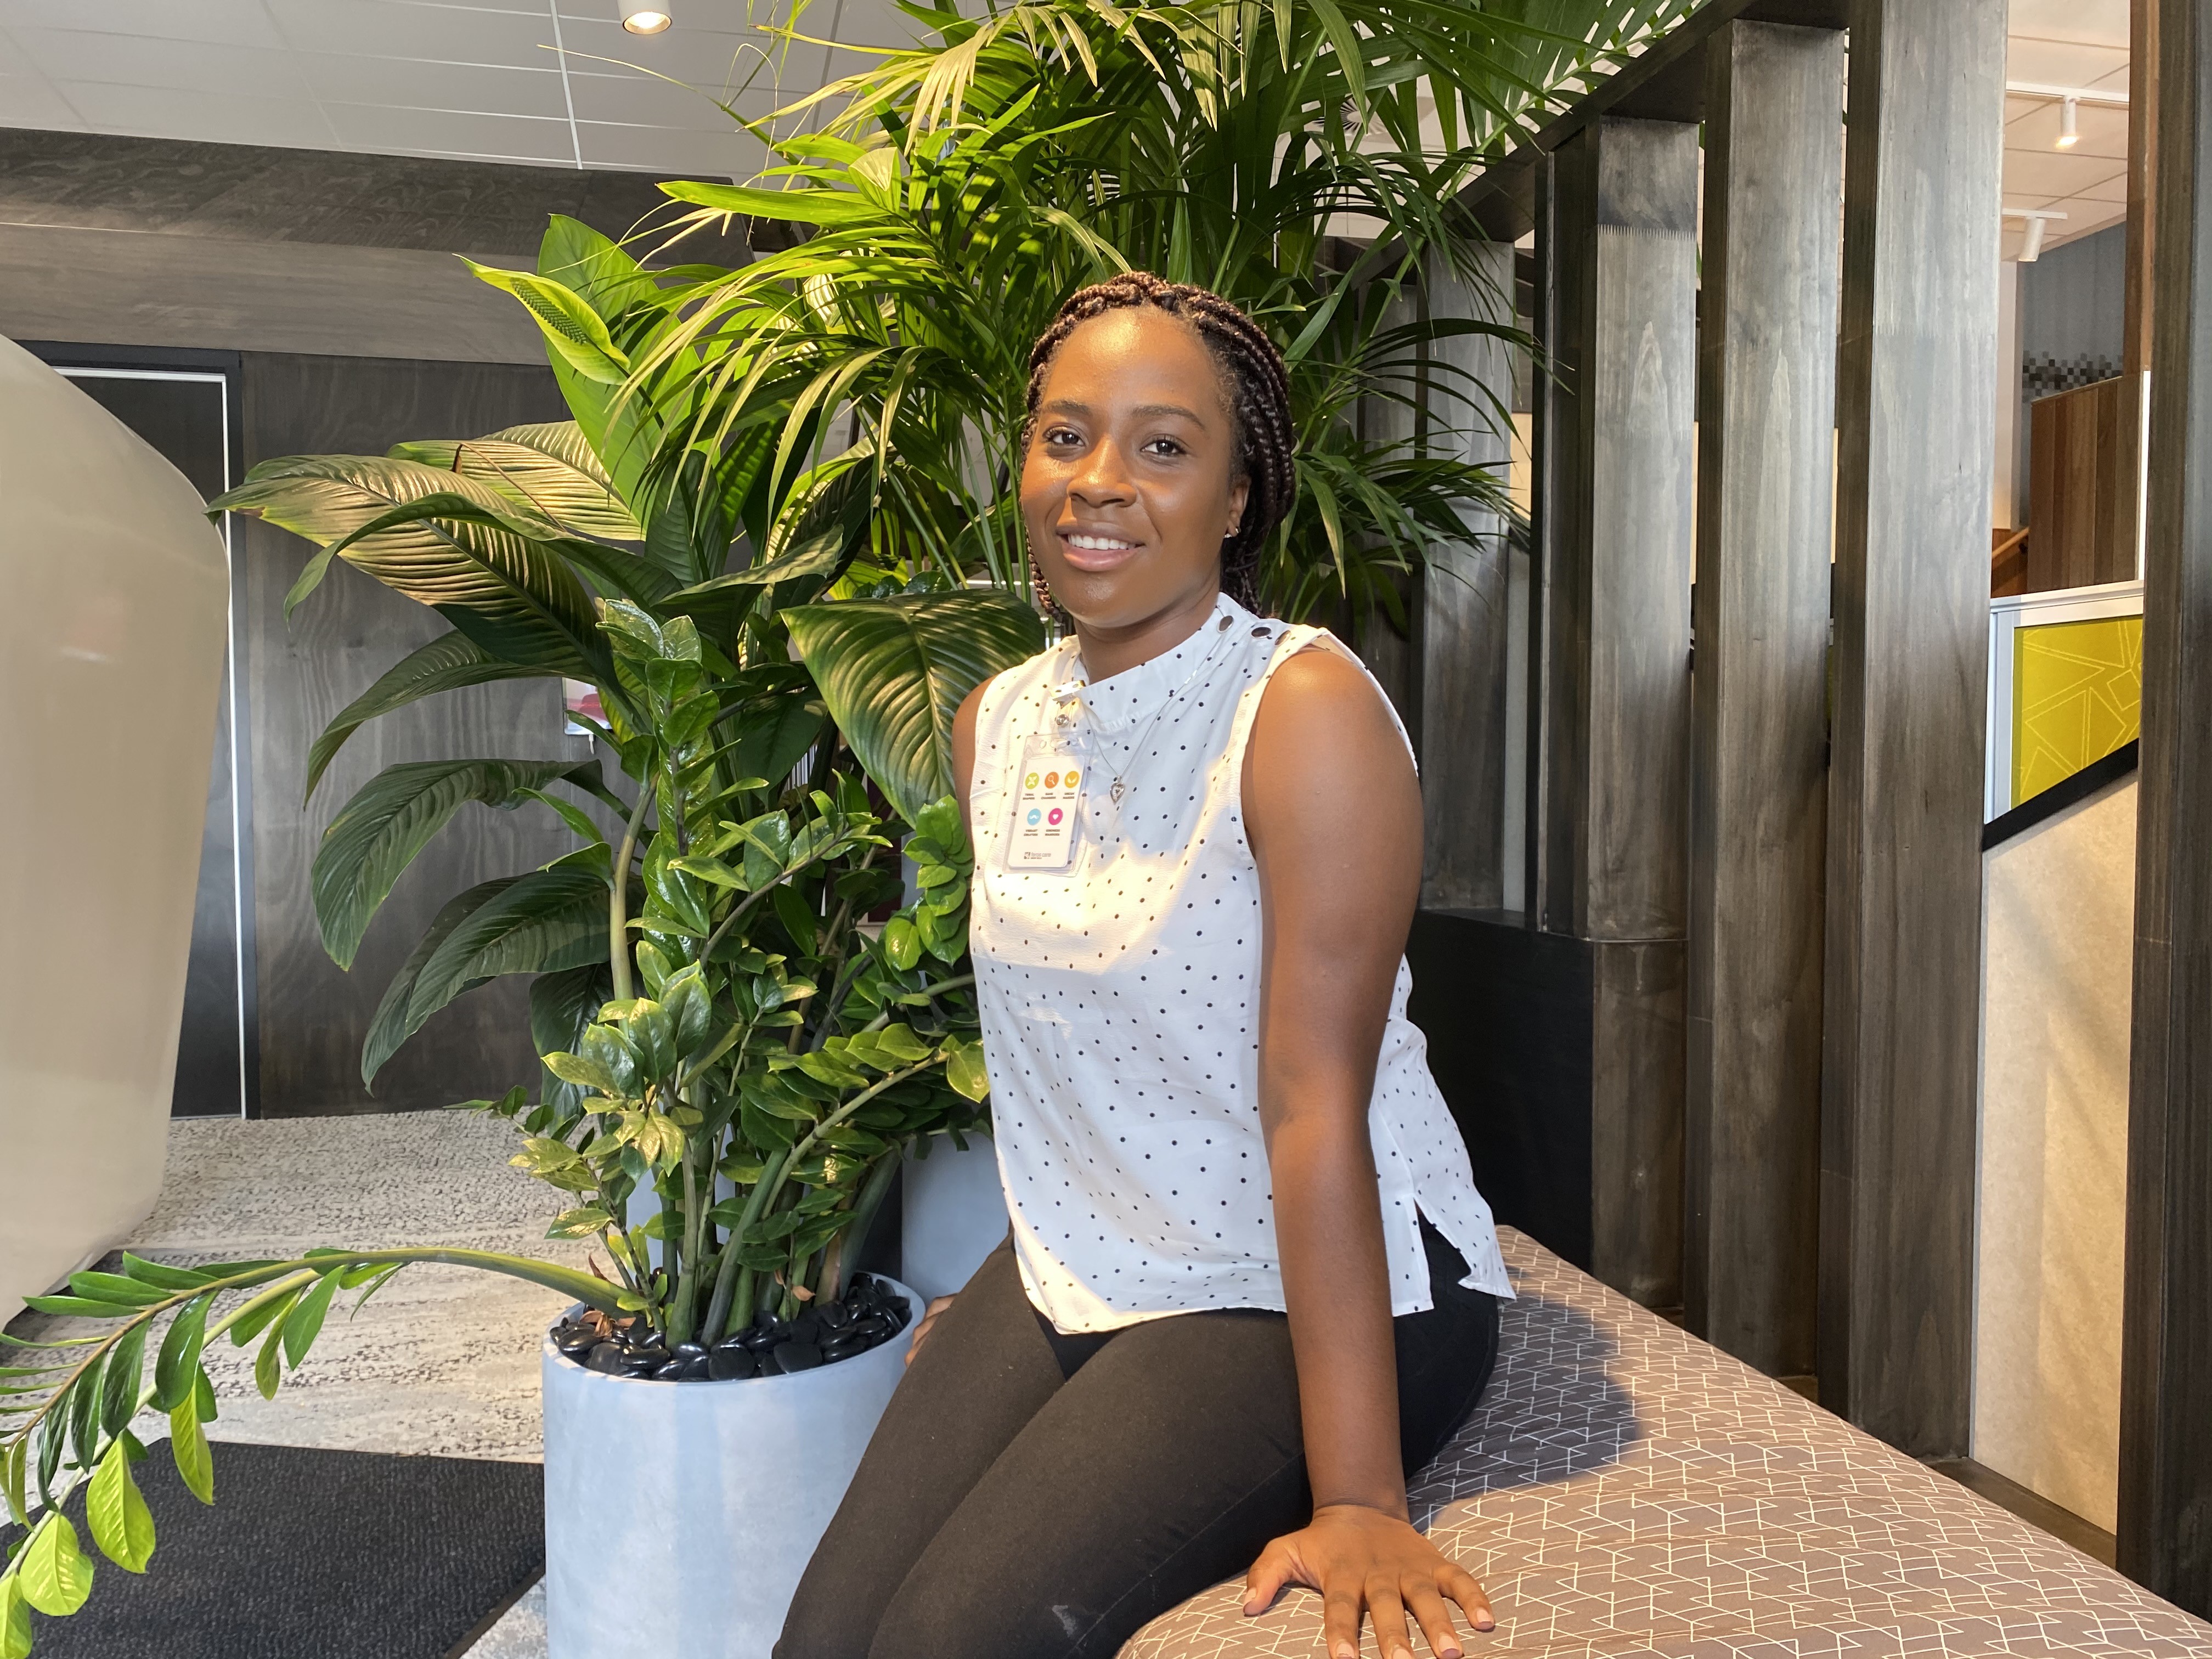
[1332, 810]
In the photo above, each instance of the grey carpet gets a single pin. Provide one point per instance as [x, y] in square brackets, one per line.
[313, 1554]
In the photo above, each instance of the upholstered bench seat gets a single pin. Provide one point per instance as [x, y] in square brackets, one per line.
[1626, 1489]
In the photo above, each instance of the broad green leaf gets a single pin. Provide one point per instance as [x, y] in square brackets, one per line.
[593, 266]
[14, 1491]
[448, 663]
[188, 1444]
[55, 1574]
[78, 1307]
[115, 1287]
[577, 500]
[14, 1619]
[574, 331]
[539, 923]
[388, 1029]
[116, 1510]
[901, 943]
[178, 1359]
[515, 594]
[894, 672]
[162, 1274]
[393, 818]
[269, 1364]
[964, 1069]
[580, 1223]
[562, 1006]
[305, 1322]
[119, 1392]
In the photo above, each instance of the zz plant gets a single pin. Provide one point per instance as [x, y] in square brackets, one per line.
[742, 1025]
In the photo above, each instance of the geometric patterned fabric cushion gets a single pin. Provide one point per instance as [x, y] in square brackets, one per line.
[1625, 1490]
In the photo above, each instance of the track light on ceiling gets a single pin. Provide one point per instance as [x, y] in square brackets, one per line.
[2069, 122]
[646, 22]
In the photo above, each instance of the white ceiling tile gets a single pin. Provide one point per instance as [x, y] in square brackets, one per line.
[446, 132]
[351, 78]
[636, 100]
[220, 23]
[2057, 173]
[2060, 64]
[865, 23]
[726, 155]
[2102, 22]
[186, 65]
[392, 28]
[30, 101]
[2103, 131]
[206, 117]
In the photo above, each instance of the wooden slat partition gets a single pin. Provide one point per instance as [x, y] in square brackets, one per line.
[1916, 427]
[1621, 480]
[2081, 500]
[1759, 784]
[2165, 1533]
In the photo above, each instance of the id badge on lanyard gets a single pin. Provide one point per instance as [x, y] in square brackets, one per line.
[1048, 794]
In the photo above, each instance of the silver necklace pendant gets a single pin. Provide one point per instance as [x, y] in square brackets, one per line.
[1114, 793]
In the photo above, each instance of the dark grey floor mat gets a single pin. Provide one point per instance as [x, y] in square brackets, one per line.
[312, 1555]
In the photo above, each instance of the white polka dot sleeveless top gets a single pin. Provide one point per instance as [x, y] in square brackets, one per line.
[1120, 1004]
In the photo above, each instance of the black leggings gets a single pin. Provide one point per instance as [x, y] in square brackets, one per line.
[1029, 1494]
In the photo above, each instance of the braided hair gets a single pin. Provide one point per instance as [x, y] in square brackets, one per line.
[1258, 395]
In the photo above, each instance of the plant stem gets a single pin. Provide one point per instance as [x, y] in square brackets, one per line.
[618, 960]
[732, 1283]
[687, 1281]
[850, 1243]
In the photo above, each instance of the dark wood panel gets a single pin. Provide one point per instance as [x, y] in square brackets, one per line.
[1622, 473]
[1758, 811]
[108, 287]
[1917, 436]
[1465, 650]
[2164, 1532]
[2081, 489]
[249, 192]
[313, 1017]
[1506, 1011]
[1618, 481]
[1637, 1061]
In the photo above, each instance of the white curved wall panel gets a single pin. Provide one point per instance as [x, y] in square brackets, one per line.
[114, 596]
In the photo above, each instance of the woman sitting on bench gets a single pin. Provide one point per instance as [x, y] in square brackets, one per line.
[1249, 1282]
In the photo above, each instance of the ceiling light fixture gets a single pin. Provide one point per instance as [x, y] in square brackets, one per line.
[646, 22]
[2069, 122]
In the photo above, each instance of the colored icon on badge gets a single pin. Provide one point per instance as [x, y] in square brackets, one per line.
[1067, 779]
[1030, 782]
[1054, 816]
[1052, 779]
[1034, 814]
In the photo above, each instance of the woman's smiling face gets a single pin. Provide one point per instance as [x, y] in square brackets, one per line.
[1131, 483]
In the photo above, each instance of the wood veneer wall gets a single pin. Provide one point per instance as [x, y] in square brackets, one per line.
[313, 1016]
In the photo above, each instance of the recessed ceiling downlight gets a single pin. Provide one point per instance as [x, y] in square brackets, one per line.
[644, 22]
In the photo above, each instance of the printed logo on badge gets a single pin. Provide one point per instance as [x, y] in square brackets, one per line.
[1045, 817]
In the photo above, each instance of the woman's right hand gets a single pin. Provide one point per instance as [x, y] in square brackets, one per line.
[929, 1316]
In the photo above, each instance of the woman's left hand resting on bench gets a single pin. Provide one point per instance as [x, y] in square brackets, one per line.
[1333, 812]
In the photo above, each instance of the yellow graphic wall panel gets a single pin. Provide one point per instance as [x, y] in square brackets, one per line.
[2077, 695]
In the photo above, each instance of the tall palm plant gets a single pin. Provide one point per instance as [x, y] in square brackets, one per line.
[957, 193]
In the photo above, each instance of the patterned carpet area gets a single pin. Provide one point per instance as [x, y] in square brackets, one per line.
[444, 1362]
[1626, 1491]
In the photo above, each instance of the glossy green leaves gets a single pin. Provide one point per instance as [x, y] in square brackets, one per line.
[382, 830]
[894, 672]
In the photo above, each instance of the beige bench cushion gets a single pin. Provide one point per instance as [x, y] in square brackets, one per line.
[1626, 1489]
